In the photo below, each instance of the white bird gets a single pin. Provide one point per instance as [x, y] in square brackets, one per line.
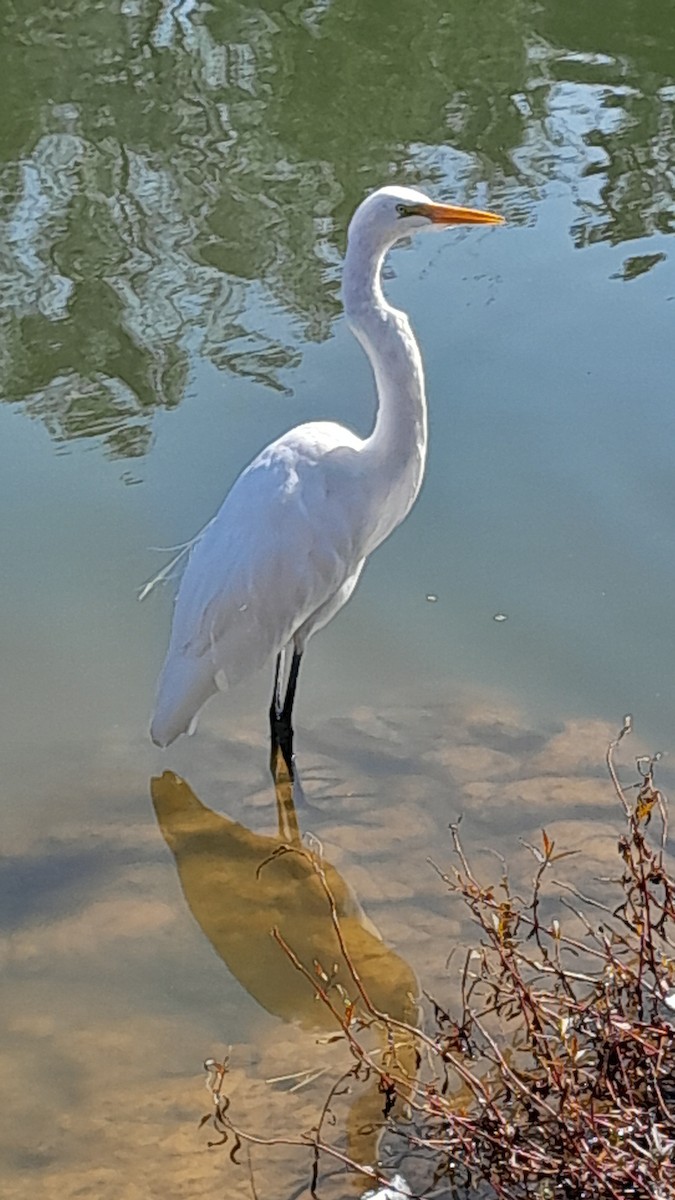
[286, 548]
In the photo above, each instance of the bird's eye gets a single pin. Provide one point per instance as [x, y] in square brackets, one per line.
[405, 210]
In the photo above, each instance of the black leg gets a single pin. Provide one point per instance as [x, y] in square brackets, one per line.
[281, 721]
[274, 718]
[287, 710]
[274, 706]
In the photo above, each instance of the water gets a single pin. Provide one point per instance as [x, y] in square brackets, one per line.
[175, 185]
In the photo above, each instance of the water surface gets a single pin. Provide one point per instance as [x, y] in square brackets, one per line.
[175, 185]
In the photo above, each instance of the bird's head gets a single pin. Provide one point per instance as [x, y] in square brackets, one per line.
[392, 213]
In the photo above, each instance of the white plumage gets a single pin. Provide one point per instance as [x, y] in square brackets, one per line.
[261, 571]
[286, 548]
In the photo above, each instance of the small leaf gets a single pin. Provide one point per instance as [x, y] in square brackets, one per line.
[645, 803]
[563, 854]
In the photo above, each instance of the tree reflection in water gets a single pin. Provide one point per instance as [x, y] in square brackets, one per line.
[178, 157]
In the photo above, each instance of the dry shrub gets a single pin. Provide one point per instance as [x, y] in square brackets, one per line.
[556, 1080]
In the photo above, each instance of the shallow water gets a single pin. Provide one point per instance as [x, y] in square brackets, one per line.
[175, 184]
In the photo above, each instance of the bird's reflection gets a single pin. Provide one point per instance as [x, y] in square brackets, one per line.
[240, 886]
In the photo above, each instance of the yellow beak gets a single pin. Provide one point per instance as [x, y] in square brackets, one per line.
[452, 214]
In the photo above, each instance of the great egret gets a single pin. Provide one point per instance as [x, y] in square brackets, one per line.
[286, 548]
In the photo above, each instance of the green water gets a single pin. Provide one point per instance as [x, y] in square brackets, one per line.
[175, 185]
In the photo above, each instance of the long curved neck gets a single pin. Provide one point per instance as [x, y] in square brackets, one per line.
[398, 442]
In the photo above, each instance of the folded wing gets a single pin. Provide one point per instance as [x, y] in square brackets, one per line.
[278, 549]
